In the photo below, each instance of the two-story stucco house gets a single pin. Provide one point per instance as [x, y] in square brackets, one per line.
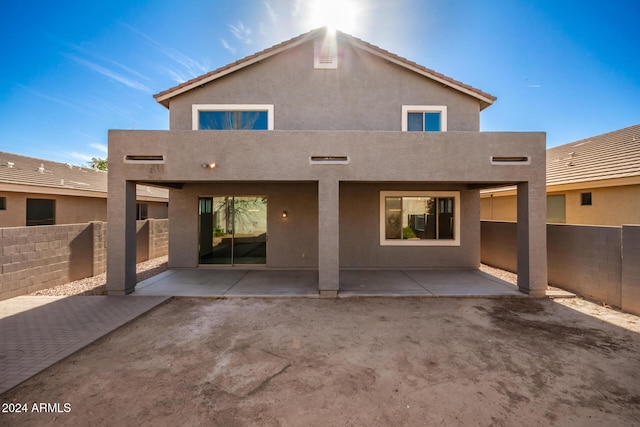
[344, 155]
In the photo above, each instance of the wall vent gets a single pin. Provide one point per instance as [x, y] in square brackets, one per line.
[510, 160]
[329, 160]
[144, 158]
[325, 53]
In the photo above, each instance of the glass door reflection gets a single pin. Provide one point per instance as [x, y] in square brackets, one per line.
[233, 230]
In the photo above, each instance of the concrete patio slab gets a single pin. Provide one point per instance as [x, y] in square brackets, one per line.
[276, 283]
[200, 282]
[461, 283]
[229, 282]
[36, 332]
[378, 282]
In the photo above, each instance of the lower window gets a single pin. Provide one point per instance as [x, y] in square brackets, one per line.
[417, 218]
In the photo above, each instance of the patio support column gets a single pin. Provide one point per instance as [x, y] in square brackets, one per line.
[532, 238]
[328, 237]
[121, 236]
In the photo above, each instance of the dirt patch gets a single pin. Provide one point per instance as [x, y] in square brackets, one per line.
[381, 361]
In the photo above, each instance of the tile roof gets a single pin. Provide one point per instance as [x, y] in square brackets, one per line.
[611, 155]
[23, 170]
[164, 96]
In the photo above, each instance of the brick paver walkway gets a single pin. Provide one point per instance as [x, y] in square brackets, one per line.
[36, 332]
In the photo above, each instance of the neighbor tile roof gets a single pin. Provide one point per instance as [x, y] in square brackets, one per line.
[164, 96]
[23, 170]
[611, 155]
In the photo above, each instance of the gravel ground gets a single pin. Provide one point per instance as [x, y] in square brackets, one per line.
[96, 285]
[507, 276]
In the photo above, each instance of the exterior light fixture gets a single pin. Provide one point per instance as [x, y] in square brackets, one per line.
[284, 214]
[209, 165]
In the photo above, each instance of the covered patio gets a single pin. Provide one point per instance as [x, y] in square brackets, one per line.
[232, 282]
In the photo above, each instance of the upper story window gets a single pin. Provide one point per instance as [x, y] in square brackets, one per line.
[232, 117]
[424, 118]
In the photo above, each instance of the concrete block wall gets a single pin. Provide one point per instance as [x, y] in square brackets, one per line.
[99, 247]
[586, 260]
[631, 268]
[598, 262]
[158, 238]
[35, 258]
[499, 245]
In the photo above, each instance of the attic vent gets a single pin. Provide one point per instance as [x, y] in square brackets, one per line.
[41, 168]
[509, 160]
[144, 158]
[325, 53]
[10, 164]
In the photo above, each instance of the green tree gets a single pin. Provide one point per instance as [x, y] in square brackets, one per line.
[98, 163]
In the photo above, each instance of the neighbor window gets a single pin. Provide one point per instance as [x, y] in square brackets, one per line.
[424, 118]
[3, 203]
[585, 199]
[41, 212]
[556, 209]
[416, 218]
[233, 117]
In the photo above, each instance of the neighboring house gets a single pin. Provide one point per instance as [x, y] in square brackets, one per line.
[344, 154]
[593, 181]
[40, 192]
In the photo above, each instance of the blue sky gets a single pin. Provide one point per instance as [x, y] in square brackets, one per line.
[71, 70]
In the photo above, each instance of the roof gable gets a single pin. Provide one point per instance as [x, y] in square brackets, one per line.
[608, 156]
[484, 98]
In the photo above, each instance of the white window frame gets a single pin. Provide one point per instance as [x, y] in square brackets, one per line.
[442, 109]
[197, 108]
[423, 242]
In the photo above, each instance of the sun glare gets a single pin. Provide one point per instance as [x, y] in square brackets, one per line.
[340, 15]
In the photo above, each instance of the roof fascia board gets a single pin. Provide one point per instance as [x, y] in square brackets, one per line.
[600, 183]
[158, 199]
[555, 188]
[56, 191]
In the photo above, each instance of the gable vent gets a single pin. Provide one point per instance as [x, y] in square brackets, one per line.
[325, 53]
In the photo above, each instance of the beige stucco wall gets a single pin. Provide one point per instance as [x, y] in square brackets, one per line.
[273, 157]
[499, 208]
[364, 93]
[158, 210]
[292, 241]
[610, 206]
[69, 209]
[360, 230]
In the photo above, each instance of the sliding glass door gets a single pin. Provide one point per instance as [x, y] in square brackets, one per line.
[233, 230]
